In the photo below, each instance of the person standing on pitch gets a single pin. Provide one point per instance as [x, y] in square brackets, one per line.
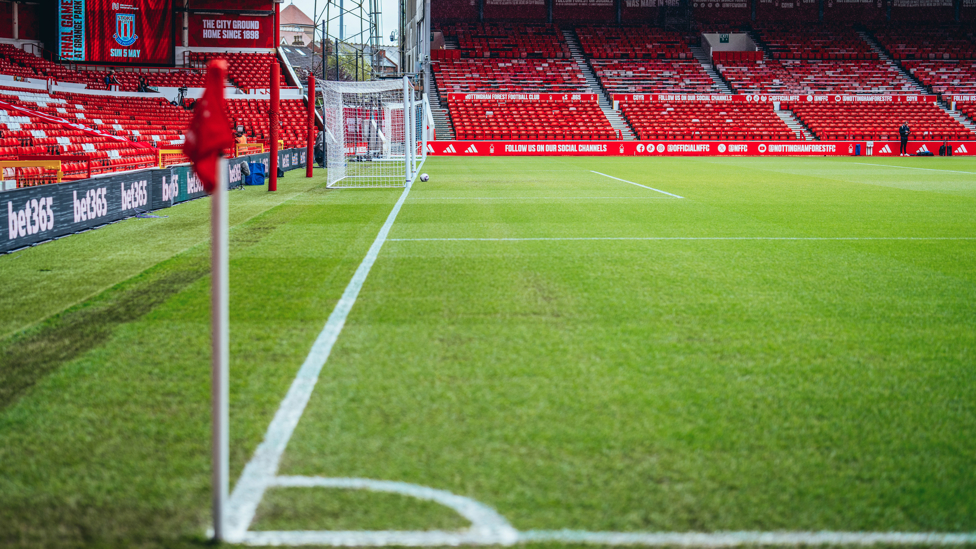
[904, 131]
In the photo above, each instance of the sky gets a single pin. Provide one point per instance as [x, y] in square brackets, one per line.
[389, 20]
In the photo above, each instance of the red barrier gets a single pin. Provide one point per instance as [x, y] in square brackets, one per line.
[685, 148]
[522, 96]
[769, 98]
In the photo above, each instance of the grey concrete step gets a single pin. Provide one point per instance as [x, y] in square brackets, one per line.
[876, 48]
[702, 57]
[617, 121]
[793, 123]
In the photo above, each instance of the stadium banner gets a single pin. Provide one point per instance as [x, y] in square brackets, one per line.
[960, 98]
[116, 32]
[685, 148]
[36, 214]
[584, 10]
[763, 98]
[522, 96]
[526, 10]
[234, 5]
[230, 31]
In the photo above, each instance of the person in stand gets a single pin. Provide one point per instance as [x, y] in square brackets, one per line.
[143, 85]
[110, 82]
[904, 131]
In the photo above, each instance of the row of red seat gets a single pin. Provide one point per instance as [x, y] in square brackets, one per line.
[247, 71]
[879, 121]
[653, 76]
[815, 77]
[945, 77]
[530, 120]
[498, 75]
[637, 42]
[931, 42]
[655, 120]
[508, 41]
[813, 41]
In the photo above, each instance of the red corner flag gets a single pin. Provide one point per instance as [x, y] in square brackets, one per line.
[209, 132]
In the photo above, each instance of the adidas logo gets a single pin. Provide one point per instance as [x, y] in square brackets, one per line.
[430, 148]
[885, 149]
[450, 149]
[471, 150]
[923, 148]
[961, 150]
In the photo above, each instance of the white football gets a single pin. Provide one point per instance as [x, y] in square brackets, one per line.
[424, 177]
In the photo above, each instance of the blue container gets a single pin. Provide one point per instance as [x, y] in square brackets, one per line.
[257, 174]
[857, 150]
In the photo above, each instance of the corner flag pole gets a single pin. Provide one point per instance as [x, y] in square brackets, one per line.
[220, 352]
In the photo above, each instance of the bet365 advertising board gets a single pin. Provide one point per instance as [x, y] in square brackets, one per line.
[116, 31]
[37, 214]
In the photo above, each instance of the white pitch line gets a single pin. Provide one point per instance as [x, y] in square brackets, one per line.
[705, 238]
[638, 184]
[542, 198]
[911, 168]
[732, 539]
[260, 472]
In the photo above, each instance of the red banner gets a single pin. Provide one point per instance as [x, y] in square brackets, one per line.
[116, 32]
[231, 31]
[522, 96]
[961, 98]
[761, 98]
[686, 148]
[221, 5]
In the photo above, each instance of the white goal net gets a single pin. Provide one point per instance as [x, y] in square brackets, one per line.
[374, 133]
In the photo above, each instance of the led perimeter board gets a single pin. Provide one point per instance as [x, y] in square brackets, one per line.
[116, 31]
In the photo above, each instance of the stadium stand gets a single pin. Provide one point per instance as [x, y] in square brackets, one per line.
[481, 120]
[512, 75]
[512, 58]
[927, 42]
[663, 120]
[945, 77]
[254, 115]
[793, 76]
[508, 41]
[879, 120]
[652, 76]
[632, 43]
[17, 62]
[247, 71]
[42, 127]
[810, 41]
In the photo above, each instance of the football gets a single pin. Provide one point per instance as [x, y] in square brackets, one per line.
[424, 177]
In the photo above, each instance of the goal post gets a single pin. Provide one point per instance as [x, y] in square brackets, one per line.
[374, 132]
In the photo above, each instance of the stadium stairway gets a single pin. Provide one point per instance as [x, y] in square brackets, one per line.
[442, 117]
[960, 117]
[794, 124]
[706, 63]
[884, 58]
[617, 122]
[922, 90]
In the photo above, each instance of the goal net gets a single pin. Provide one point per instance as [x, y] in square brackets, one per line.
[374, 133]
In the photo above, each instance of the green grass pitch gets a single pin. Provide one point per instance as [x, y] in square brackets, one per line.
[790, 346]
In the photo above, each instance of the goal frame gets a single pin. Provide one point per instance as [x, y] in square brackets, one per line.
[369, 143]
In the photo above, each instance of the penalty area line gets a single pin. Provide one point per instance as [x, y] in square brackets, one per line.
[638, 184]
[692, 238]
[911, 168]
[259, 473]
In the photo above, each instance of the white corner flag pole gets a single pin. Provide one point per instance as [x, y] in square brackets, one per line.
[220, 352]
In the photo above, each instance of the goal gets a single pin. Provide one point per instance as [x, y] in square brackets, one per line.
[375, 133]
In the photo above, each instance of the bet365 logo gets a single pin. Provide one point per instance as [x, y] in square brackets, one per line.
[35, 217]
